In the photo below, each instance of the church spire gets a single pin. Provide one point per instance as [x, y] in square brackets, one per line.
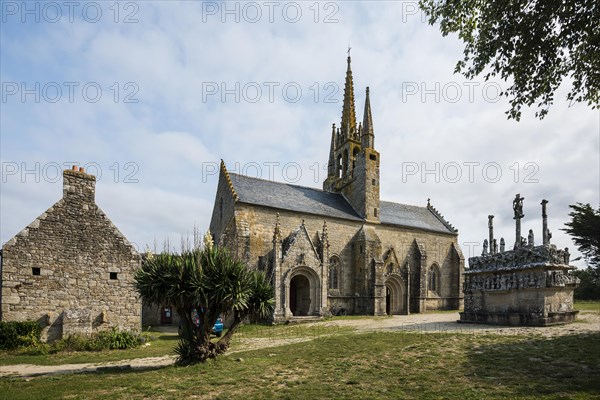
[348, 127]
[331, 165]
[368, 135]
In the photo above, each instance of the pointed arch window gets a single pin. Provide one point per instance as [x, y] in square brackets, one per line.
[434, 278]
[354, 155]
[334, 272]
[345, 162]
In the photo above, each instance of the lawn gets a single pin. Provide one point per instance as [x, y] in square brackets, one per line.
[164, 344]
[357, 366]
[587, 305]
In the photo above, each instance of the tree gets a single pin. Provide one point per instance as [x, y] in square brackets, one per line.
[536, 43]
[585, 229]
[209, 282]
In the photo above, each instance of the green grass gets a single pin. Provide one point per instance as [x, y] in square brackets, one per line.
[162, 345]
[587, 305]
[292, 331]
[357, 366]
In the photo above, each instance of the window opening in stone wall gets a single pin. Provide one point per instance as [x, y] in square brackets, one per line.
[354, 154]
[375, 212]
[433, 279]
[36, 271]
[373, 157]
[113, 275]
[345, 162]
[334, 265]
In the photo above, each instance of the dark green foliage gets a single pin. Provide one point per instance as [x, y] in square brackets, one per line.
[533, 44]
[211, 282]
[588, 288]
[113, 339]
[585, 229]
[118, 340]
[16, 335]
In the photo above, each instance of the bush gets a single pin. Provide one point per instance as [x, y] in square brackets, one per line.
[113, 339]
[26, 337]
[19, 334]
[118, 340]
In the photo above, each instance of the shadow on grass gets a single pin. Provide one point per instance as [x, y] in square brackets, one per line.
[168, 337]
[565, 365]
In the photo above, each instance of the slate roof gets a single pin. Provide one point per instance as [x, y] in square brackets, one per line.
[315, 201]
[291, 197]
[412, 216]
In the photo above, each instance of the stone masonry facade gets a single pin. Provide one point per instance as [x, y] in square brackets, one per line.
[341, 249]
[71, 269]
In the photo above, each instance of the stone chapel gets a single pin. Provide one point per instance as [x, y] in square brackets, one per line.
[341, 250]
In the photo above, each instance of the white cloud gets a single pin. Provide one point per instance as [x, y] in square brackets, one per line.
[422, 114]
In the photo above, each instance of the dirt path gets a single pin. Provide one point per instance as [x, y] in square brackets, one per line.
[589, 322]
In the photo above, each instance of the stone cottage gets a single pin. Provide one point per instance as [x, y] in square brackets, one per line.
[71, 269]
[341, 249]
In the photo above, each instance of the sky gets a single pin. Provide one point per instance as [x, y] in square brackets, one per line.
[149, 96]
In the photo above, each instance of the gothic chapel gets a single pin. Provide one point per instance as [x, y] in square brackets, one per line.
[341, 249]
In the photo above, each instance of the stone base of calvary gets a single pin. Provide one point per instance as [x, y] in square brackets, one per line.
[527, 286]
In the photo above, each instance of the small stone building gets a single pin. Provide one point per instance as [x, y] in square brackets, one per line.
[341, 249]
[71, 269]
[526, 285]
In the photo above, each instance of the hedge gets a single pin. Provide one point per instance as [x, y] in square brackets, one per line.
[19, 334]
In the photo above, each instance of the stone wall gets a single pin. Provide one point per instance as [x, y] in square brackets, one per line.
[71, 269]
[253, 236]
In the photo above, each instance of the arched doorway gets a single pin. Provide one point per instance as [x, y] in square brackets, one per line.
[300, 295]
[395, 296]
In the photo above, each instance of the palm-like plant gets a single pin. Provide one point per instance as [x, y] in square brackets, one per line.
[210, 282]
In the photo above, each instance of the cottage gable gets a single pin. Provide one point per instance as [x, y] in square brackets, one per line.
[71, 268]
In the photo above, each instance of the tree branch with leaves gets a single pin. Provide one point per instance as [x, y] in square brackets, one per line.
[535, 44]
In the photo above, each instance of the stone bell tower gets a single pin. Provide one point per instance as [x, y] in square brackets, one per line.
[353, 167]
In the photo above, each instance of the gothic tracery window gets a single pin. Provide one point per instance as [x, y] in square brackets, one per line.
[434, 278]
[334, 273]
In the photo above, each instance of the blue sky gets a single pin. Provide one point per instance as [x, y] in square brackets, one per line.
[184, 84]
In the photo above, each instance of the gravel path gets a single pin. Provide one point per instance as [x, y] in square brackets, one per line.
[588, 322]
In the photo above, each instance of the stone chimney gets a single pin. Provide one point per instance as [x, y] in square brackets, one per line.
[79, 186]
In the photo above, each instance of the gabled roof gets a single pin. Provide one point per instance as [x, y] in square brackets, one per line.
[315, 201]
[291, 197]
[412, 216]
